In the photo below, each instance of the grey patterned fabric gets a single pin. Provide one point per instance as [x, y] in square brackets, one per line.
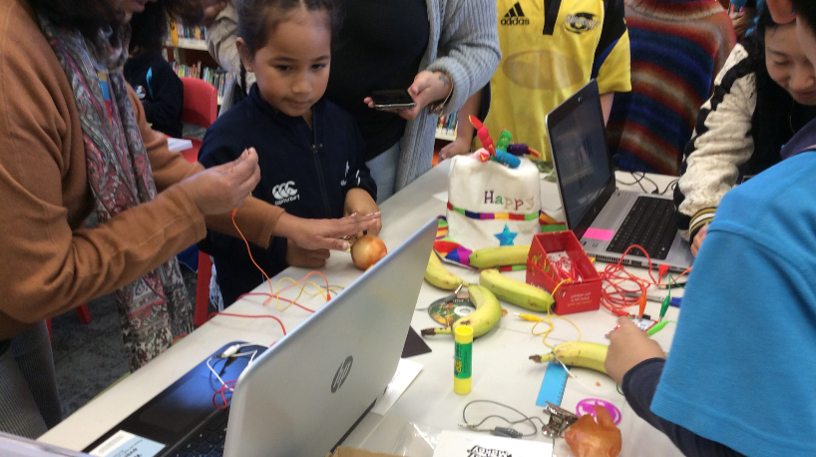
[154, 308]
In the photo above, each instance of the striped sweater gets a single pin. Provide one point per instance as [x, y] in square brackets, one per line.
[677, 48]
[740, 131]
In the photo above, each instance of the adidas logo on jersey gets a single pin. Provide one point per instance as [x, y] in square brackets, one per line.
[515, 16]
[285, 193]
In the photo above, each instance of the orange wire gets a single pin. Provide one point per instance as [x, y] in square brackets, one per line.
[272, 293]
[249, 251]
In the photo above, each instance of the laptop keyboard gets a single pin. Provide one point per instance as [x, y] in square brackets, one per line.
[648, 224]
[207, 441]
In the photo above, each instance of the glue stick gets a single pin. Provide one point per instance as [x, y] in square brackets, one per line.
[462, 358]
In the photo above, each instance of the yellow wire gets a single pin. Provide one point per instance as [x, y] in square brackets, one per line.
[320, 290]
[550, 321]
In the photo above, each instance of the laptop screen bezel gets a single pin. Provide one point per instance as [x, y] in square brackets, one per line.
[587, 94]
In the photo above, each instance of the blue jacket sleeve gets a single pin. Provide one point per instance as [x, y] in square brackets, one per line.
[639, 386]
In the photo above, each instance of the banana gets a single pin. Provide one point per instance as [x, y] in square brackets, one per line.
[487, 314]
[439, 276]
[516, 292]
[502, 255]
[578, 354]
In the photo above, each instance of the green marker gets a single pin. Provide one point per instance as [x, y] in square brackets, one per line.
[656, 328]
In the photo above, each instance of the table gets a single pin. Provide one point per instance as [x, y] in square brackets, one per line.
[501, 369]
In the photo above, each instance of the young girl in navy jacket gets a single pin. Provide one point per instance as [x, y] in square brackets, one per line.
[310, 151]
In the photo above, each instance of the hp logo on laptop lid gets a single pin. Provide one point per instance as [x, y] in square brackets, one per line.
[342, 374]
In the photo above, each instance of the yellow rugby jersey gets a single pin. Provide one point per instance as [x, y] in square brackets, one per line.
[550, 49]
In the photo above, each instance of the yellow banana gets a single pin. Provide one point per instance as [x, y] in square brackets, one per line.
[577, 354]
[516, 292]
[439, 276]
[502, 255]
[487, 314]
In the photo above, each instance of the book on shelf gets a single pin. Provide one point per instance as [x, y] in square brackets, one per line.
[446, 127]
[190, 36]
[218, 77]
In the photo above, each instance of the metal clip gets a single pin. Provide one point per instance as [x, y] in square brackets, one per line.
[560, 421]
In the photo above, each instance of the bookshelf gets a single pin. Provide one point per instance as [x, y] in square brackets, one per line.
[446, 127]
[187, 53]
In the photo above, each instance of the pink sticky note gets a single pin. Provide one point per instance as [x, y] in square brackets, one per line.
[599, 234]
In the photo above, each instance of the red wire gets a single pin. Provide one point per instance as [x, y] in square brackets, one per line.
[615, 277]
[225, 389]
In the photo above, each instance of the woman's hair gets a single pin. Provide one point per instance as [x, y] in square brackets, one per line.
[257, 19]
[149, 29]
[88, 16]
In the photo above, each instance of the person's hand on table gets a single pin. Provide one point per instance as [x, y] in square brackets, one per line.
[359, 201]
[314, 234]
[628, 346]
[697, 242]
[428, 87]
[456, 147]
[588, 438]
[296, 256]
[221, 189]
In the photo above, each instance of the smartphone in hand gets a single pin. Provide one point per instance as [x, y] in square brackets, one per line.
[392, 99]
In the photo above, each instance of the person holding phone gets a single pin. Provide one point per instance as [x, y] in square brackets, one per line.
[440, 51]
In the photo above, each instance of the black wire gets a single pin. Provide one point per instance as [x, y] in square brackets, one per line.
[653, 183]
[637, 181]
[525, 417]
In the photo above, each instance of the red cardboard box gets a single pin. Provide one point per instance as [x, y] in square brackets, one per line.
[571, 297]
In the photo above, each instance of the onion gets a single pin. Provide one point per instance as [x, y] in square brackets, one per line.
[367, 251]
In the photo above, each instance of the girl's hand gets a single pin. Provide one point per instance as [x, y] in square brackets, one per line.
[296, 256]
[314, 234]
[358, 201]
[221, 189]
[428, 87]
[456, 147]
[628, 346]
[697, 242]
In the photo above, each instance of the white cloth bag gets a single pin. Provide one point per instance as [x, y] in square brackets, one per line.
[488, 193]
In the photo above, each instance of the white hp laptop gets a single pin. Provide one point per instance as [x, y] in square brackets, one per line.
[605, 219]
[302, 396]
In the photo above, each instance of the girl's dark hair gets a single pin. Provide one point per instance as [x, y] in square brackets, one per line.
[770, 122]
[256, 23]
[88, 16]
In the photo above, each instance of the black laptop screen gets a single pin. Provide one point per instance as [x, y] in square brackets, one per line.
[579, 151]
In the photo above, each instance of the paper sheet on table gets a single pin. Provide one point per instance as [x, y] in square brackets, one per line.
[467, 444]
[407, 370]
[178, 144]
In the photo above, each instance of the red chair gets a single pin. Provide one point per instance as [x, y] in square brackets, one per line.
[200, 108]
[83, 313]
